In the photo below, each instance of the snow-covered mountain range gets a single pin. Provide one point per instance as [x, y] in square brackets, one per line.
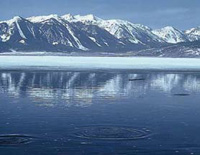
[86, 33]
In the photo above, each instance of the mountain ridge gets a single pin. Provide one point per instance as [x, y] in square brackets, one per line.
[70, 33]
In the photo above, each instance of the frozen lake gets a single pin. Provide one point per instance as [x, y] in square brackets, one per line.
[99, 112]
[94, 63]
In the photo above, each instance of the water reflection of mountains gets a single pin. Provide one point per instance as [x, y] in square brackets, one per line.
[84, 87]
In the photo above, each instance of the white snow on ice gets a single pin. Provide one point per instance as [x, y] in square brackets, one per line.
[63, 62]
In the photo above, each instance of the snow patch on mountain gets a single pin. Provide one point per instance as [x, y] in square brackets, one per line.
[120, 29]
[4, 37]
[20, 30]
[13, 20]
[78, 43]
[85, 19]
[95, 41]
[37, 19]
[22, 41]
[135, 33]
[68, 17]
[193, 34]
[170, 35]
[194, 31]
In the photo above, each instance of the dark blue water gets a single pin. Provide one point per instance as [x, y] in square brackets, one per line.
[107, 112]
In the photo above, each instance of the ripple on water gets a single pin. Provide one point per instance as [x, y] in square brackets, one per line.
[137, 79]
[15, 139]
[111, 133]
[182, 94]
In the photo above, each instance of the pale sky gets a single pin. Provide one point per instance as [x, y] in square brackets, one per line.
[182, 14]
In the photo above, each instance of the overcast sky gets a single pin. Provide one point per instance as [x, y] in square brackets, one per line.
[182, 14]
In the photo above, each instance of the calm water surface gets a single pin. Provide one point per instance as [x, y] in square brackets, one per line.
[107, 112]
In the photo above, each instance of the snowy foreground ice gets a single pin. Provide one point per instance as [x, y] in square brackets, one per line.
[64, 62]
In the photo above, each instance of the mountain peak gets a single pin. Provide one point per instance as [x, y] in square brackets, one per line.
[193, 34]
[170, 34]
[37, 19]
[89, 17]
[68, 17]
[193, 30]
[168, 28]
[13, 20]
[16, 18]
